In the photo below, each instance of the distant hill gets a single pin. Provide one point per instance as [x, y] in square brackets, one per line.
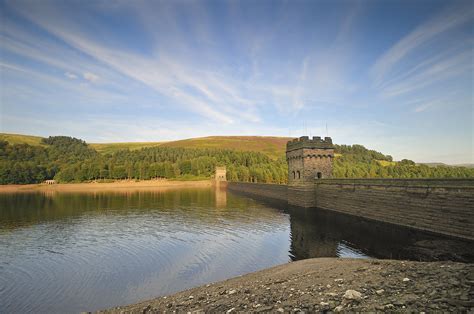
[433, 164]
[273, 147]
[110, 148]
[438, 164]
[464, 165]
[21, 139]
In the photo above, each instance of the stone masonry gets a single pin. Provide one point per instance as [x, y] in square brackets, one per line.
[308, 160]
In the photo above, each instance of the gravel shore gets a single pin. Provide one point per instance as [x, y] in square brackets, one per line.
[329, 284]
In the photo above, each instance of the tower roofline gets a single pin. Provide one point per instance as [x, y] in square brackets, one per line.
[305, 142]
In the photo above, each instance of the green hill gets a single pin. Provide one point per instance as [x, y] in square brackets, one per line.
[110, 148]
[271, 146]
[21, 139]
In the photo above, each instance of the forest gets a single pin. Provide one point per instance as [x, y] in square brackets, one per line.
[68, 159]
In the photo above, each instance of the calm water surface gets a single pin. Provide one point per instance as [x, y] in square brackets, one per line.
[71, 252]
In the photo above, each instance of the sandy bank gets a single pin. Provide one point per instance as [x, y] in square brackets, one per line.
[329, 284]
[95, 187]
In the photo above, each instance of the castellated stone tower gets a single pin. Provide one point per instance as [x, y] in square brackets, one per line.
[308, 160]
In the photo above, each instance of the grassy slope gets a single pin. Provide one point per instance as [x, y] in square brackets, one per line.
[21, 139]
[105, 148]
[272, 146]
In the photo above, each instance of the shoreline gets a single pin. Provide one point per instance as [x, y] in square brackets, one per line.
[328, 284]
[98, 187]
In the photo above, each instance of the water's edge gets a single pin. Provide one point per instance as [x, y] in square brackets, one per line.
[323, 284]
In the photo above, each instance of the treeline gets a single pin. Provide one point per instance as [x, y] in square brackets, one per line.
[67, 159]
[71, 160]
[358, 162]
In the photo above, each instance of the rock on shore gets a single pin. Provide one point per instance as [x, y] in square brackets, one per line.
[329, 284]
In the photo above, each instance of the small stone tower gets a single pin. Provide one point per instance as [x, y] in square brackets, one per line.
[308, 160]
[220, 174]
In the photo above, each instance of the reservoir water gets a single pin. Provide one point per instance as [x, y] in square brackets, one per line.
[72, 252]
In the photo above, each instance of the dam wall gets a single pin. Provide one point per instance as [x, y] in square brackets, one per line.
[442, 206]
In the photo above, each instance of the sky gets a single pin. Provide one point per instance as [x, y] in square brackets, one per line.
[395, 76]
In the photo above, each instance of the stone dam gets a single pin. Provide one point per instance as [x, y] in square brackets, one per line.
[440, 206]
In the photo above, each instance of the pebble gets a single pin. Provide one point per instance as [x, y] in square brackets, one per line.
[338, 308]
[422, 290]
[352, 295]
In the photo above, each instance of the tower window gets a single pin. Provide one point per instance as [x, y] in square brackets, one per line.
[319, 175]
[294, 175]
[298, 174]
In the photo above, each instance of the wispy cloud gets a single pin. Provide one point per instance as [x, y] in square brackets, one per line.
[424, 33]
[70, 75]
[430, 73]
[91, 77]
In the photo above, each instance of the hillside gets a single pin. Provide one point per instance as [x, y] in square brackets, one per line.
[271, 146]
[110, 148]
[21, 139]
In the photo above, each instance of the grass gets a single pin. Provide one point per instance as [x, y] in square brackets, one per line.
[21, 139]
[385, 163]
[110, 148]
[189, 177]
[274, 147]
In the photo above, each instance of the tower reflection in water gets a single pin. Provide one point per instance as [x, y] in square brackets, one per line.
[321, 233]
[221, 196]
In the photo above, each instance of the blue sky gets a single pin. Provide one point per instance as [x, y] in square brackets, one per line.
[396, 76]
